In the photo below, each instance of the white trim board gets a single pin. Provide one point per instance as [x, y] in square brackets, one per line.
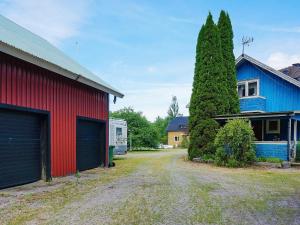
[247, 97]
[253, 111]
[270, 142]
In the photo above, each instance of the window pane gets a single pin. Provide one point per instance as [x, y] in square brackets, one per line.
[241, 90]
[273, 125]
[119, 131]
[252, 89]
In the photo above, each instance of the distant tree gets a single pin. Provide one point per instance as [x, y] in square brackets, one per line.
[174, 108]
[226, 35]
[209, 92]
[142, 132]
[160, 124]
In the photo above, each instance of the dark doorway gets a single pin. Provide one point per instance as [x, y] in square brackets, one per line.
[91, 143]
[258, 129]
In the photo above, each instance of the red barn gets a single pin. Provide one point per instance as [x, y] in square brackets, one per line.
[53, 112]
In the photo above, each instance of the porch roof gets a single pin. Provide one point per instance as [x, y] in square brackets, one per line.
[247, 115]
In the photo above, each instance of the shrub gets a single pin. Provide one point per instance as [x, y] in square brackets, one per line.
[234, 143]
[185, 142]
[208, 158]
[221, 157]
[233, 163]
[202, 138]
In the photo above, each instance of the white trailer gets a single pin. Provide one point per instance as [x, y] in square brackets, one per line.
[118, 135]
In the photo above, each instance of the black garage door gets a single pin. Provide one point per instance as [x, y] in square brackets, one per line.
[20, 148]
[90, 151]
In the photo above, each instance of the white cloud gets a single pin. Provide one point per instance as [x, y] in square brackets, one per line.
[54, 20]
[151, 69]
[279, 60]
[155, 100]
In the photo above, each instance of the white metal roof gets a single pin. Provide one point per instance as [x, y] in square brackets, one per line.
[21, 43]
[283, 76]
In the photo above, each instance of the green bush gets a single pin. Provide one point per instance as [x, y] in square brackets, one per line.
[233, 163]
[202, 138]
[208, 158]
[298, 153]
[221, 157]
[234, 143]
[185, 142]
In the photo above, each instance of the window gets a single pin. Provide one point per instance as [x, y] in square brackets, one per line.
[248, 88]
[273, 126]
[252, 88]
[242, 90]
[182, 126]
[119, 131]
[176, 138]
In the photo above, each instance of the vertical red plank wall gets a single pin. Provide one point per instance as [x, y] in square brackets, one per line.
[26, 85]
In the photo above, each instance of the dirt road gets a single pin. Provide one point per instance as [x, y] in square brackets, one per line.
[158, 188]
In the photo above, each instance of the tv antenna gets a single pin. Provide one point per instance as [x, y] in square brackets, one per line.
[246, 41]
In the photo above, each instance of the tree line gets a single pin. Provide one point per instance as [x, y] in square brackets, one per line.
[144, 133]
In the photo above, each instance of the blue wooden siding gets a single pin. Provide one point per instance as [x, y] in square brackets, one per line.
[272, 150]
[253, 104]
[280, 95]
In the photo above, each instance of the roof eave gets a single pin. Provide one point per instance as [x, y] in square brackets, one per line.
[256, 115]
[11, 50]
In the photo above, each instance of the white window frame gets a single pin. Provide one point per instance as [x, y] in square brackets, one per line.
[277, 131]
[176, 137]
[246, 83]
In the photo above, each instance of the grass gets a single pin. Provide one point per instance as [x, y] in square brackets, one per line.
[269, 160]
[146, 150]
[53, 201]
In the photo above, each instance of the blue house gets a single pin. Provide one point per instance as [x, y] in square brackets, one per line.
[270, 99]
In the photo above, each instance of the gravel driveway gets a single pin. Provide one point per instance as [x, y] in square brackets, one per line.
[158, 188]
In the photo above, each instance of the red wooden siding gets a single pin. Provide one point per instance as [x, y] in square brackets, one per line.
[26, 85]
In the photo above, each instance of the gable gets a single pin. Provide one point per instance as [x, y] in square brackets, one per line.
[278, 94]
[245, 58]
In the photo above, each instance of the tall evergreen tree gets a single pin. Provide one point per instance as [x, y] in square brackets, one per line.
[194, 110]
[226, 35]
[195, 100]
[209, 91]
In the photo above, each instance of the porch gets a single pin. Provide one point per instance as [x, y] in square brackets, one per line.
[276, 134]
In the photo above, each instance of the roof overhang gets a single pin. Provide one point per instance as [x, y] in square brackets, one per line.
[263, 66]
[253, 115]
[10, 50]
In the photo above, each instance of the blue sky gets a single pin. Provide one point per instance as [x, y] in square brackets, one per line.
[146, 49]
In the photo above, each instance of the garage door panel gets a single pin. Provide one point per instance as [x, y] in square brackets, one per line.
[20, 148]
[90, 144]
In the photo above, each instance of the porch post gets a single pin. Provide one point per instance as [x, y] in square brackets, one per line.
[263, 130]
[295, 138]
[289, 138]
